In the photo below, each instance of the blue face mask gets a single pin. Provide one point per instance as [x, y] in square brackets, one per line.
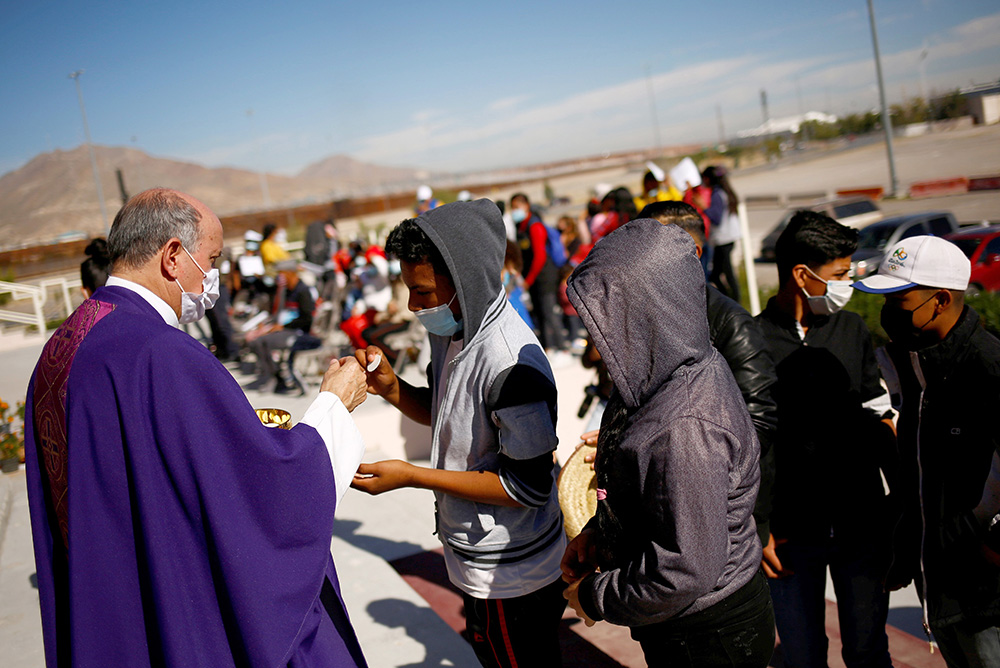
[439, 320]
[518, 215]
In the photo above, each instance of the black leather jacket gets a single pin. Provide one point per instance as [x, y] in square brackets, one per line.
[738, 338]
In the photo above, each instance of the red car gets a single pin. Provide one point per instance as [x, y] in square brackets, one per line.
[982, 246]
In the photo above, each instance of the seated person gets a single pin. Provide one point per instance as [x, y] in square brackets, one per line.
[272, 247]
[290, 332]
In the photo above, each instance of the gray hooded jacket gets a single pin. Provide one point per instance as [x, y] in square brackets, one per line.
[496, 410]
[678, 455]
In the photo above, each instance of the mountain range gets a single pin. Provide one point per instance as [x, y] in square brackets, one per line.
[54, 194]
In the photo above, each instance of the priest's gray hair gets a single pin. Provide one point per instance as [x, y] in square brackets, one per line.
[147, 222]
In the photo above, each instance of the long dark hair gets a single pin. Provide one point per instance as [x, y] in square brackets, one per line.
[624, 204]
[718, 177]
[613, 542]
[95, 269]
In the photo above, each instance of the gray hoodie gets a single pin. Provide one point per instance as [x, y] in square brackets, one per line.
[678, 455]
[492, 409]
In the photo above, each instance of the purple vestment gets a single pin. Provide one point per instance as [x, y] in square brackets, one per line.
[170, 527]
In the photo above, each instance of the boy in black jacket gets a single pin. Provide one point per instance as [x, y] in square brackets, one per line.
[944, 375]
[829, 507]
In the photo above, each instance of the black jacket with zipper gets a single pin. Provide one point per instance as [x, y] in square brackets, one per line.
[948, 433]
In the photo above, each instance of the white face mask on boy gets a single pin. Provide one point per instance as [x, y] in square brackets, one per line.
[193, 306]
[838, 293]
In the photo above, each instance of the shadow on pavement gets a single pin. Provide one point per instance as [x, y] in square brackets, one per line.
[346, 530]
[397, 613]
[426, 573]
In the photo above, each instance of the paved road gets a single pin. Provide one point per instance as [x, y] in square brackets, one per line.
[971, 152]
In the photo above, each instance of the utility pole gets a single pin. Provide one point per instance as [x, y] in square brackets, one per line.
[75, 76]
[886, 118]
[923, 82]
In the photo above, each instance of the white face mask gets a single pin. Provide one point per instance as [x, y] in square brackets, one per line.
[838, 293]
[193, 306]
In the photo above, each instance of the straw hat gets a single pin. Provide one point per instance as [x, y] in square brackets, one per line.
[577, 491]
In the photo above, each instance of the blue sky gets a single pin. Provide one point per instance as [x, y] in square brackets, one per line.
[455, 85]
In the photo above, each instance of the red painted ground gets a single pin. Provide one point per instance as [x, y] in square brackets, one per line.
[609, 646]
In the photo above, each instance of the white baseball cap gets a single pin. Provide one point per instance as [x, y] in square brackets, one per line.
[424, 193]
[926, 261]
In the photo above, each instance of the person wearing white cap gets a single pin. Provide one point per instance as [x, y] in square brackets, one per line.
[943, 372]
[425, 200]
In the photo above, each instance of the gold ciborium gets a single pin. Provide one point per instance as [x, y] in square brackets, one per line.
[274, 418]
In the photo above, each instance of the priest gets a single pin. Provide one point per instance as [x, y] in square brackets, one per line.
[170, 527]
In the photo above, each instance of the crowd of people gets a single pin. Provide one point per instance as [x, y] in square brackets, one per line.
[739, 458]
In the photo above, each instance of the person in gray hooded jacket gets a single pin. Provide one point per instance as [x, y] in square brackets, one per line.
[677, 464]
[491, 406]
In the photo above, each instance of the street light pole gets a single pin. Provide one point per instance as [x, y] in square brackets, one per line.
[886, 118]
[75, 76]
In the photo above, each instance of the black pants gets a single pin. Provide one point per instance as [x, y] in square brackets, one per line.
[375, 336]
[264, 345]
[521, 631]
[723, 276]
[737, 631]
[546, 313]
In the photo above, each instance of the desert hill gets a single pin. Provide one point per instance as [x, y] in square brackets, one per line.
[54, 193]
[349, 173]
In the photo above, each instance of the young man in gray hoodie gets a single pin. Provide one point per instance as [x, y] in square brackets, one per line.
[677, 464]
[491, 406]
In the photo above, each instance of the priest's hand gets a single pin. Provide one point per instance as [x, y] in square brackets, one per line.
[381, 378]
[346, 379]
[383, 476]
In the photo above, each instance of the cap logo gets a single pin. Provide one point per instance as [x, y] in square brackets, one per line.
[897, 259]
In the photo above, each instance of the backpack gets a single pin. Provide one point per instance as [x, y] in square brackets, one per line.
[554, 247]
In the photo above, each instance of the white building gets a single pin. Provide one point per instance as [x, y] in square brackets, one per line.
[786, 125]
[984, 103]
